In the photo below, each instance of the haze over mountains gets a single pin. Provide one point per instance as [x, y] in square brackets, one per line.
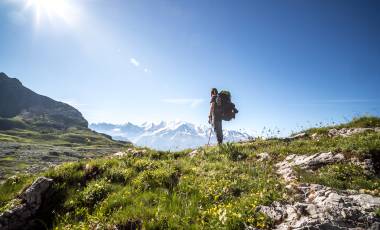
[172, 135]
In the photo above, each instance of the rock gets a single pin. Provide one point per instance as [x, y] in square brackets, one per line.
[120, 154]
[345, 132]
[32, 199]
[137, 152]
[263, 157]
[315, 136]
[193, 153]
[366, 164]
[307, 162]
[298, 136]
[131, 151]
[34, 194]
[326, 209]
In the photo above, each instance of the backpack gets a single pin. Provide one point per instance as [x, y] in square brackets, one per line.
[225, 107]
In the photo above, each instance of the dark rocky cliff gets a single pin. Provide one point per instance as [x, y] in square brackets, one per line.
[40, 111]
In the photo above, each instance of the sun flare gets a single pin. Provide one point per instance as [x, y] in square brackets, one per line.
[53, 10]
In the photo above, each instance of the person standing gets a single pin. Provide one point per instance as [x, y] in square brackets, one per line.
[214, 117]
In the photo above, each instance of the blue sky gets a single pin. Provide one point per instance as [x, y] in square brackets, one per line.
[287, 63]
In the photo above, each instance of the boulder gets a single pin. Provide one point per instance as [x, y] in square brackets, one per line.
[263, 157]
[32, 200]
[321, 207]
[193, 153]
[308, 162]
[345, 132]
[298, 136]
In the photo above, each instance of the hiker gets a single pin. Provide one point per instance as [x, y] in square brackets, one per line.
[221, 108]
[214, 116]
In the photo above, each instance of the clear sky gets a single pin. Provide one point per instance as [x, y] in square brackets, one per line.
[287, 63]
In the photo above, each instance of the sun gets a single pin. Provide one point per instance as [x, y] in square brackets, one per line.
[53, 10]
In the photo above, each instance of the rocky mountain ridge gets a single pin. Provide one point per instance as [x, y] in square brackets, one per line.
[17, 101]
[172, 135]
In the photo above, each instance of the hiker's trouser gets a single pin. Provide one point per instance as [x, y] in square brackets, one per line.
[217, 123]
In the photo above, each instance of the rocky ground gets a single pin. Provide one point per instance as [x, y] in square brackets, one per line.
[316, 206]
[324, 178]
[31, 158]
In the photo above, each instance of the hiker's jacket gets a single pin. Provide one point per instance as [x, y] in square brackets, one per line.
[215, 111]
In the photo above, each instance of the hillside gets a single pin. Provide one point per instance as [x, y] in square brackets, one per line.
[323, 178]
[37, 132]
[32, 109]
[173, 135]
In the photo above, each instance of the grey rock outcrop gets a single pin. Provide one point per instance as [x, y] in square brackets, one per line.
[32, 199]
[263, 157]
[308, 162]
[321, 207]
[345, 132]
[298, 136]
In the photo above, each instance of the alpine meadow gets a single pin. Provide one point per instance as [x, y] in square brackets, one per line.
[172, 114]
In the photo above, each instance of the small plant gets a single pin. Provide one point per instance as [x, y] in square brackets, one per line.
[94, 192]
[341, 176]
[233, 152]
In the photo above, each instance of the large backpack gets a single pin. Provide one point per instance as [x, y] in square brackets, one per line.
[225, 107]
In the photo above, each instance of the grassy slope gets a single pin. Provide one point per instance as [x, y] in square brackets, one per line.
[28, 148]
[218, 188]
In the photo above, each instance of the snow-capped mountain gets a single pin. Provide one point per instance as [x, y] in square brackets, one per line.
[174, 135]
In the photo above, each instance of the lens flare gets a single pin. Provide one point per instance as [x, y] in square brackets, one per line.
[53, 10]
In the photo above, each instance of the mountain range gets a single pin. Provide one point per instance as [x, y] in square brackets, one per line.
[172, 135]
[20, 107]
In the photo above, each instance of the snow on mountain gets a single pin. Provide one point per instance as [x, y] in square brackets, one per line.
[173, 135]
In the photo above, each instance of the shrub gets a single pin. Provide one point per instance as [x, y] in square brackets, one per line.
[157, 178]
[94, 192]
[119, 175]
[70, 173]
[233, 152]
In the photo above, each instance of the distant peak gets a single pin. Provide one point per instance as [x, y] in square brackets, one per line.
[3, 75]
[5, 78]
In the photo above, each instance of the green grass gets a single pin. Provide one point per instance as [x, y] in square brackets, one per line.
[357, 122]
[71, 137]
[162, 190]
[12, 123]
[342, 176]
[10, 188]
[219, 188]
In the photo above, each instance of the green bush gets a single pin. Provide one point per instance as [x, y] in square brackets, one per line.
[233, 151]
[119, 175]
[157, 178]
[94, 192]
[70, 173]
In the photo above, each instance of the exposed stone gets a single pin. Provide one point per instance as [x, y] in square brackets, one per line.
[366, 164]
[298, 136]
[32, 199]
[308, 162]
[193, 153]
[263, 156]
[120, 154]
[345, 132]
[325, 208]
[131, 151]
[315, 136]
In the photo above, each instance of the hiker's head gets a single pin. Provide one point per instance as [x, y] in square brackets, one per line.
[214, 91]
